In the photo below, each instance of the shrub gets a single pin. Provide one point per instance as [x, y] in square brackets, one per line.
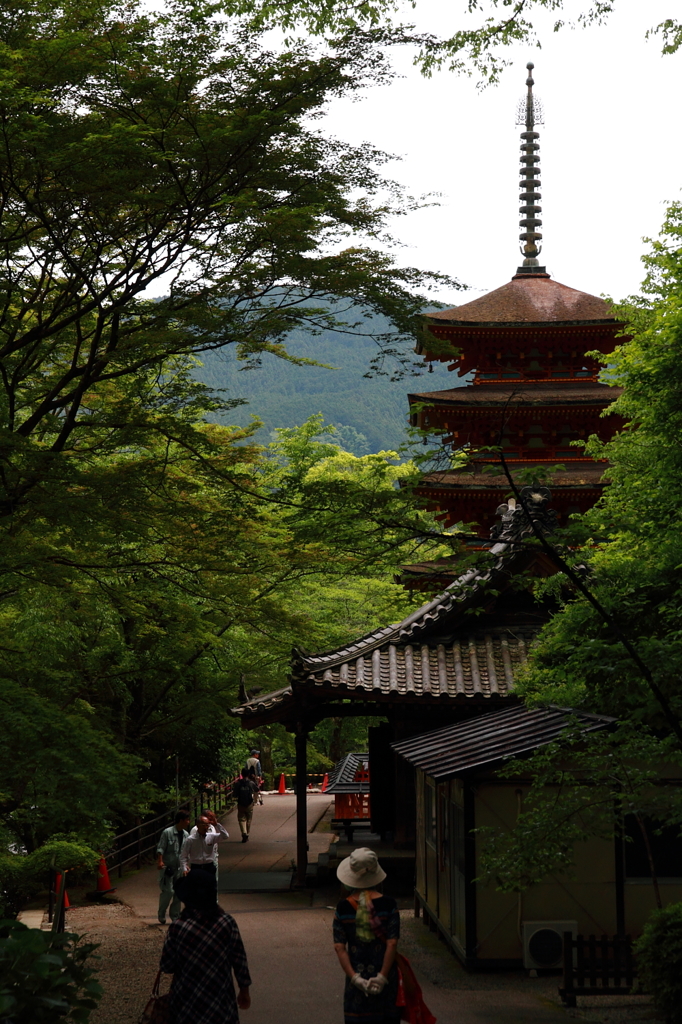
[23, 876]
[44, 977]
[659, 960]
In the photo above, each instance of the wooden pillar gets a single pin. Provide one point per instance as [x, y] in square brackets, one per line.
[619, 853]
[470, 914]
[301, 804]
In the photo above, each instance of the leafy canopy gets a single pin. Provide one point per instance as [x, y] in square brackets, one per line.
[148, 558]
[477, 44]
[633, 547]
[630, 557]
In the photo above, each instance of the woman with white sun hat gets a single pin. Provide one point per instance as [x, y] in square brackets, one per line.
[366, 932]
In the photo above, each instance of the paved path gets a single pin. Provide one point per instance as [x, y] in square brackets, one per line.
[272, 848]
[296, 976]
[272, 843]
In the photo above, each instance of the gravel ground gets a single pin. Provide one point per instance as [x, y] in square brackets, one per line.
[433, 961]
[129, 959]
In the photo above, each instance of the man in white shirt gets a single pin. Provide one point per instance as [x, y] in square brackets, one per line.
[200, 850]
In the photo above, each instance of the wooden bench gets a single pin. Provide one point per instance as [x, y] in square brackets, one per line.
[597, 966]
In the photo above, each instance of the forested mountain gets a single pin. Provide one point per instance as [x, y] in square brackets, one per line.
[284, 395]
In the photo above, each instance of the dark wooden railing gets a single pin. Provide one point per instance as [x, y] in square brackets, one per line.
[140, 841]
[596, 966]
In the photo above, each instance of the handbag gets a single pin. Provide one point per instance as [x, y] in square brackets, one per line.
[157, 1010]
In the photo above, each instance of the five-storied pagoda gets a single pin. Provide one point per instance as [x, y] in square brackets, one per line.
[533, 389]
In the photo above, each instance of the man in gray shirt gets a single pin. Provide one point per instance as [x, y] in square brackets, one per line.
[168, 863]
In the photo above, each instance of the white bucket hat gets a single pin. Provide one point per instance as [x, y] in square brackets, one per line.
[361, 870]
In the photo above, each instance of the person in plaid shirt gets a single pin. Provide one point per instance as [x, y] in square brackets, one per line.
[202, 949]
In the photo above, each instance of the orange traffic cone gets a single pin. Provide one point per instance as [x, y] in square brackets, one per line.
[282, 784]
[103, 883]
[325, 783]
[57, 887]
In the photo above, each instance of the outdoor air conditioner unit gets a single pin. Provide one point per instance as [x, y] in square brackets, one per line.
[543, 942]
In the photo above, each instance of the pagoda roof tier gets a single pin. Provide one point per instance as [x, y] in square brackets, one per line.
[467, 497]
[530, 299]
[584, 475]
[535, 394]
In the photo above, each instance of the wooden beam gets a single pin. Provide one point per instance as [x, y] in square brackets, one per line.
[301, 803]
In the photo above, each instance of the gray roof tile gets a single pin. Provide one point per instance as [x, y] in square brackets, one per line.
[487, 741]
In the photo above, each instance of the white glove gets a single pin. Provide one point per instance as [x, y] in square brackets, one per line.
[376, 985]
[359, 982]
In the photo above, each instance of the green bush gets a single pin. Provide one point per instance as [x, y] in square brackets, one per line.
[659, 960]
[23, 876]
[44, 977]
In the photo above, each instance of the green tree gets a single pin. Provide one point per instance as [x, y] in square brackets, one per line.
[140, 147]
[633, 547]
[628, 559]
[479, 45]
[138, 636]
[143, 550]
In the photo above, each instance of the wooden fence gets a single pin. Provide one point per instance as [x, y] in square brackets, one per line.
[597, 966]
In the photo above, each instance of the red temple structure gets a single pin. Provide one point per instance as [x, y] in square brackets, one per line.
[349, 783]
[534, 390]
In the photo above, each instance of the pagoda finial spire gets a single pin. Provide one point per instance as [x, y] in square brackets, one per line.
[529, 113]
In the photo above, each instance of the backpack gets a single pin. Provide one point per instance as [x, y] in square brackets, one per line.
[244, 792]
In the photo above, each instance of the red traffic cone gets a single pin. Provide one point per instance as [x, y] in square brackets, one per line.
[282, 784]
[325, 783]
[103, 883]
[57, 887]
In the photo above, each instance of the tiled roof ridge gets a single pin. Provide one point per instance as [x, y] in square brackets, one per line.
[513, 637]
[493, 739]
[506, 537]
[416, 622]
[471, 635]
[264, 699]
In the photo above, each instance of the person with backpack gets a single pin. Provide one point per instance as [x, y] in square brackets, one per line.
[254, 765]
[256, 773]
[244, 791]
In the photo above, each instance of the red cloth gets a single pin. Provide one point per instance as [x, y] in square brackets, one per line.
[414, 1009]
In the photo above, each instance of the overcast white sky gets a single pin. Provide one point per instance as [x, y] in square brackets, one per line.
[610, 149]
